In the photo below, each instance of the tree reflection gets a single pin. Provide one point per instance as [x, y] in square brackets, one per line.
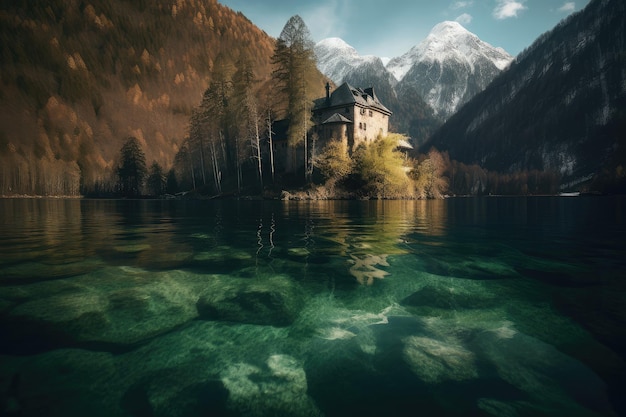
[366, 233]
[59, 238]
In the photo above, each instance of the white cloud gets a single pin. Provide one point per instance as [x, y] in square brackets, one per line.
[568, 7]
[464, 19]
[461, 4]
[506, 9]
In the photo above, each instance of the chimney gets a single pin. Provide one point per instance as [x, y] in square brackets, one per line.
[327, 93]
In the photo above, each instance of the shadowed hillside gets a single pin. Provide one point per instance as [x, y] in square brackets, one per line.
[560, 107]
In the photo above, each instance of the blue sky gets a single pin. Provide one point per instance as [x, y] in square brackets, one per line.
[389, 28]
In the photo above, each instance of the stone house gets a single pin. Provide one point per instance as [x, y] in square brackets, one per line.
[352, 115]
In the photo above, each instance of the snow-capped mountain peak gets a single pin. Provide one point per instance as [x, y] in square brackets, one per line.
[449, 41]
[446, 69]
[335, 58]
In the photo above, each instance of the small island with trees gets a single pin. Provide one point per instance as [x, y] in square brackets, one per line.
[293, 145]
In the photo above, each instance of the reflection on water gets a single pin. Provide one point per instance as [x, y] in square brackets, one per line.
[488, 306]
[367, 244]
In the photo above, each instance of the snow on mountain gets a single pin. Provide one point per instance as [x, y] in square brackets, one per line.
[336, 59]
[446, 69]
[449, 41]
[449, 67]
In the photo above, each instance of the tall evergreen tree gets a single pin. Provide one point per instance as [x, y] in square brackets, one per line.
[132, 169]
[156, 181]
[209, 123]
[294, 62]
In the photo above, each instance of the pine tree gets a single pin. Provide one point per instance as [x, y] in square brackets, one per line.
[294, 62]
[132, 169]
[156, 181]
[209, 122]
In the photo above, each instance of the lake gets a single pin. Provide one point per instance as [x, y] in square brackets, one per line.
[462, 307]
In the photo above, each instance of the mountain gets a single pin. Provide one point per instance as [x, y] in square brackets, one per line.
[336, 59]
[449, 67]
[427, 84]
[561, 105]
[341, 63]
[78, 78]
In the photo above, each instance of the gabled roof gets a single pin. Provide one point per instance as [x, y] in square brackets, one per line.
[336, 118]
[345, 95]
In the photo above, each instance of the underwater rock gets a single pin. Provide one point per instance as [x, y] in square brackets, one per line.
[113, 309]
[279, 387]
[176, 392]
[272, 301]
[216, 368]
[346, 378]
[554, 383]
[450, 298]
[437, 360]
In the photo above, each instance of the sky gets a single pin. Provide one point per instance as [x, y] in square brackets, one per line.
[389, 28]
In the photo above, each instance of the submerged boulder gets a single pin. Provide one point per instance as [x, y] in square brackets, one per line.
[116, 308]
[273, 301]
[553, 383]
[450, 298]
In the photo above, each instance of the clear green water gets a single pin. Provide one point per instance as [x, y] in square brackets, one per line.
[463, 307]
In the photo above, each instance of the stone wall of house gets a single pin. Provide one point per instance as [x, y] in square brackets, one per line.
[368, 125]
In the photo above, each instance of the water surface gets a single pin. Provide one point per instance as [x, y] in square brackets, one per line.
[487, 307]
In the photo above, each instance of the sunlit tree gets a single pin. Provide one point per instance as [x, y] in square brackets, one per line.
[382, 170]
[428, 176]
[334, 162]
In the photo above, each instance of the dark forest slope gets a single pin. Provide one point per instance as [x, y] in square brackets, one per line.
[561, 106]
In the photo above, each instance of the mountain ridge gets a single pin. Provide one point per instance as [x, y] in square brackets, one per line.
[446, 68]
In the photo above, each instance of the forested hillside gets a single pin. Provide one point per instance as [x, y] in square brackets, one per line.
[80, 77]
[561, 107]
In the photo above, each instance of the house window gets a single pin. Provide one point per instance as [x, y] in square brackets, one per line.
[371, 113]
[360, 125]
[364, 126]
